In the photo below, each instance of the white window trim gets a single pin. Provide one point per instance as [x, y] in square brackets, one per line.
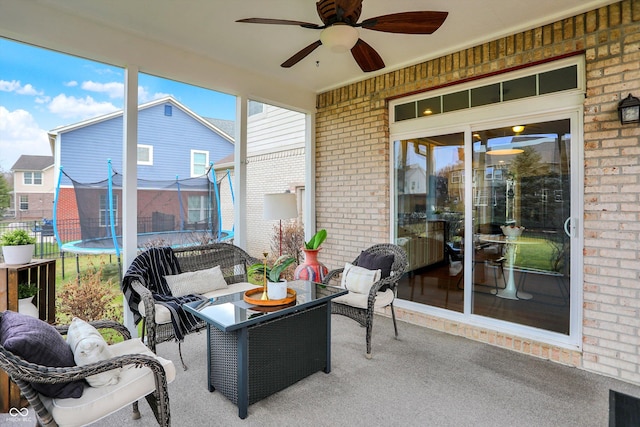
[192, 163]
[33, 178]
[150, 150]
[20, 203]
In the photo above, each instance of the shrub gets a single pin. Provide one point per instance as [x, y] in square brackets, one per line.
[292, 239]
[89, 298]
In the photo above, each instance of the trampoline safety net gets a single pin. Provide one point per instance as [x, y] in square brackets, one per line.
[170, 213]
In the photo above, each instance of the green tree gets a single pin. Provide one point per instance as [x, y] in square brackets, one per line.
[5, 198]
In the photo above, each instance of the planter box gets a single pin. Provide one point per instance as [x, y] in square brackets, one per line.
[15, 255]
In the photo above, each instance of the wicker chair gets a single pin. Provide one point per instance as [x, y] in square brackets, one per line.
[233, 262]
[382, 293]
[102, 401]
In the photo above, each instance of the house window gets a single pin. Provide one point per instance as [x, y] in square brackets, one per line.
[197, 208]
[199, 162]
[168, 110]
[103, 214]
[488, 174]
[24, 203]
[255, 108]
[32, 178]
[145, 154]
[527, 86]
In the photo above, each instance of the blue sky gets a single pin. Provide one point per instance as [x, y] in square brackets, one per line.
[42, 89]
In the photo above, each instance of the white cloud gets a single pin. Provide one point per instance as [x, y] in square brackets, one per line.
[71, 83]
[28, 89]
[7, 86]
[20, 135]
[113, 89]
[17, 87]
[70, 107]
[144, 96]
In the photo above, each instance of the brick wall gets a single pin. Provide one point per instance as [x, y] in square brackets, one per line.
[353, 157]
[269, 173]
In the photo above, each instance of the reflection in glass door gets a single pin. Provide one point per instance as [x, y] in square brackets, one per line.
[429, 225]
[521, 202]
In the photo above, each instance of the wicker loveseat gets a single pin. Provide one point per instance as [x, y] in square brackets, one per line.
[151, 301]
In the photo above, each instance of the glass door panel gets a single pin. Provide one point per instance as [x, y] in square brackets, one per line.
[429, 223]
[521, 201]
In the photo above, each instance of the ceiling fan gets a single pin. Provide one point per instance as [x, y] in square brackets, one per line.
[340, 19]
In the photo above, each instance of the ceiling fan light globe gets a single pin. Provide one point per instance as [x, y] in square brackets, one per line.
[339, 38]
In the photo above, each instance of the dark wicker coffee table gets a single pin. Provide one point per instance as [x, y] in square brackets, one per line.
[255, 351]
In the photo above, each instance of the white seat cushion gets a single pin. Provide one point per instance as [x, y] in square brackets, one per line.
[99, 402]
[163, 315]
[355, 299]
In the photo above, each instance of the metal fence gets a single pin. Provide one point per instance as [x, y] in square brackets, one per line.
[46, 245]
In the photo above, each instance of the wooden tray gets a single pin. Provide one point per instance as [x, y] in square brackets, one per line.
[252, 296]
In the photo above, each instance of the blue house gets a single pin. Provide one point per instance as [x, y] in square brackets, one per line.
[175, 149]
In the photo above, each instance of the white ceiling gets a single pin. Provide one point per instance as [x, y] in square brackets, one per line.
[207, 28]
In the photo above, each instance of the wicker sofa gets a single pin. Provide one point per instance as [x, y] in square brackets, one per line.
[147, 304]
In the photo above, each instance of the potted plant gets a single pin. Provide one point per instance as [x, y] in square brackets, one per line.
[312, 269]
[17, 246]
[26, 292]
[276, 286]
[317, 240]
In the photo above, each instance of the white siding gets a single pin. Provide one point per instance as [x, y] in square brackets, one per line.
[275, 129]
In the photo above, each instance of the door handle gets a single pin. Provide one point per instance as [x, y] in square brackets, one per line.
[569, 232]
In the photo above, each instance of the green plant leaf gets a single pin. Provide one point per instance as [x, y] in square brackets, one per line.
[16, 238]
[279, 266]
[273, 273]
[316, 240]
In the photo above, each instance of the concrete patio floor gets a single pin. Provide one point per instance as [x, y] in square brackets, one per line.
[426, 378]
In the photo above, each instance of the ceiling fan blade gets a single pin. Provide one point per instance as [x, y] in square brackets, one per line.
[300, 55]
[424, 22]
[366, 57]
[280, 22]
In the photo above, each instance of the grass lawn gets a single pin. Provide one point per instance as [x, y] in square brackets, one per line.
[538, 254]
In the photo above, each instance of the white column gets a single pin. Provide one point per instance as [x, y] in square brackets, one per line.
[240, 177]
[309, 177]
[130, 180]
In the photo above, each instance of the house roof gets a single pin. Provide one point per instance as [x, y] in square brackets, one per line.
[74, 126]
[225, 162]
[32, 163]
[227, 126]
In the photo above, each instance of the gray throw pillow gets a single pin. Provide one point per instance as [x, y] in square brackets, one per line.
[38, 342]
[380, 262]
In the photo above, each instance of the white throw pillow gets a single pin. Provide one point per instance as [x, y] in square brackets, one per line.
[88, 346]
[196, 282]
[357, 279]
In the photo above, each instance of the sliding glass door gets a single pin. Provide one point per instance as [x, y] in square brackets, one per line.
[430, 209]
[484, 215]
[521, 205]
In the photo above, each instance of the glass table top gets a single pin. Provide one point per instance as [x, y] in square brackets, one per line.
[231, 312]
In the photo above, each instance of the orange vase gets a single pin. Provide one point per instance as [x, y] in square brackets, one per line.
[311, 269]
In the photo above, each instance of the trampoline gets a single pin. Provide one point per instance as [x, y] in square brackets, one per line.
[175, 239]
[182, 212]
